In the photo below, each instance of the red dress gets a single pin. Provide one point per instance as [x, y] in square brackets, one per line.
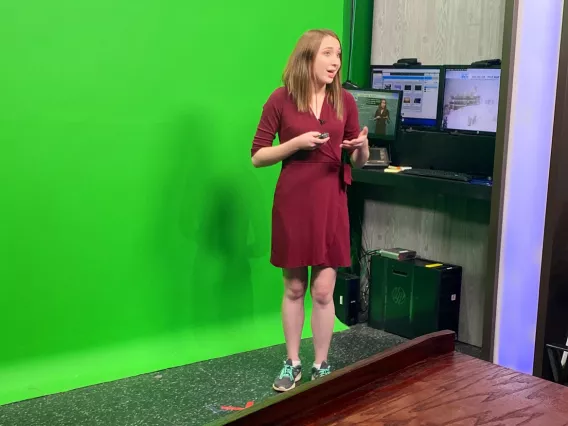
[310, 220]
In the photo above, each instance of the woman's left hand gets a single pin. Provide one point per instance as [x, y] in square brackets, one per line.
[358, 143]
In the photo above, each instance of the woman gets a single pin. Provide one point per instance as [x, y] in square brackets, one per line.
[316, 121]
[382, 118]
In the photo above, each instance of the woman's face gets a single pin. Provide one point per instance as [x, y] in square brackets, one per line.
[327, 61]
[383, 104]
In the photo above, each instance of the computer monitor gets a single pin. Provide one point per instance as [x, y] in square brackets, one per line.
[379, 110]
[420, 88]
[471, 99]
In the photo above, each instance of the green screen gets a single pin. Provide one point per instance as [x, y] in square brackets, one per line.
[362, 40]
[135, 232]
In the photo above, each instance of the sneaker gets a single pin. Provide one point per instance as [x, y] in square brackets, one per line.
[288, 377]
[324, 370]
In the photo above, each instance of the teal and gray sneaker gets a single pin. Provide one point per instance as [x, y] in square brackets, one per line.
[288, 377]
[324, 370]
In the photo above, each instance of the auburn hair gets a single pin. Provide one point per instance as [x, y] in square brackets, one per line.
[299, 76]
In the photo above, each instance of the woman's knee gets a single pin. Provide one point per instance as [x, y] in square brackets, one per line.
[323, 285]
[322, 295]
[295, 283]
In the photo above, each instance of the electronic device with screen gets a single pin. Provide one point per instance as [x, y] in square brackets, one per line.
[471, 99]
[379, 110]
[378, 157]
[420, 86]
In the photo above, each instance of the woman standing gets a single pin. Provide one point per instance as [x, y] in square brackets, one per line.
[316, 121]
[382, 118]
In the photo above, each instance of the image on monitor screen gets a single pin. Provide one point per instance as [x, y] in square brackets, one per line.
[420, 87]
[471, 100]
[379, 110]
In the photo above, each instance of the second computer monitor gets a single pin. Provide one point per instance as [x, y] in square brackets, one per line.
[420, 92]
[471, 99]
[379, 110]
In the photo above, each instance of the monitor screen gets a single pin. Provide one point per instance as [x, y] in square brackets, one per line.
[471, 100]
[379, 110]
[420, 92]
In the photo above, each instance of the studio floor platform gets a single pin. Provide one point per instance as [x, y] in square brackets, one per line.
[420, 382]
[194, 394]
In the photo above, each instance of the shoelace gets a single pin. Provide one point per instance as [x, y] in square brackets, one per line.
[324, 371]
[287, 371]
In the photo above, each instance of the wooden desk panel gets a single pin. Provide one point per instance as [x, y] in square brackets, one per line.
[421, 382]
[455, 390]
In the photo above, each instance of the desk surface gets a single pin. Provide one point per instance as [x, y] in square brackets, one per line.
[419, 382]
[442, 186]
[456, 389]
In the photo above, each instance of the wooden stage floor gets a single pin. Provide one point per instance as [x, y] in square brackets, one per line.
[421, 382]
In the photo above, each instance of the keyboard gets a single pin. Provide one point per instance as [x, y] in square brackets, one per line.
[438, 174]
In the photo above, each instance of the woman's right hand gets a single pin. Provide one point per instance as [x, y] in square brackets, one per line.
[309, 141]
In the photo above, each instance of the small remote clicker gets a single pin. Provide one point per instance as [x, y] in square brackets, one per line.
[323, 136]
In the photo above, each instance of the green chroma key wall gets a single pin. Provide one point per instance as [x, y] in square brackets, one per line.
[135, 233]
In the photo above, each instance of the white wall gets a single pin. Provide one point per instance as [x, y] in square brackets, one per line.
[437, 32]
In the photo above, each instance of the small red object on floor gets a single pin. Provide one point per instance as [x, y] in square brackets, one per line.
[231, 408]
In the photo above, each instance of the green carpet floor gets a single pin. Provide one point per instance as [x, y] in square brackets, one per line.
[193, 394]
[34, 378]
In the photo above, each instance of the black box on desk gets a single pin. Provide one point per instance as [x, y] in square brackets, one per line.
[411, 298]
[346, 298]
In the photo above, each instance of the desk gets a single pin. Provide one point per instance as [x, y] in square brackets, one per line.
[441, 219]
[419, 382]
[413, 182]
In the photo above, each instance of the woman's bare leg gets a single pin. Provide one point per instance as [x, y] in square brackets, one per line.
[323, 314]
[295, 285]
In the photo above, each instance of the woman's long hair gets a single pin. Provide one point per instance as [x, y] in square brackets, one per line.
[299, 73]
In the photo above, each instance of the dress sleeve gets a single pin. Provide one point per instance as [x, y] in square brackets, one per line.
[352, 127]
[269, 123]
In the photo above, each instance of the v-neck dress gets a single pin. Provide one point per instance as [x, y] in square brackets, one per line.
[310, 219]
